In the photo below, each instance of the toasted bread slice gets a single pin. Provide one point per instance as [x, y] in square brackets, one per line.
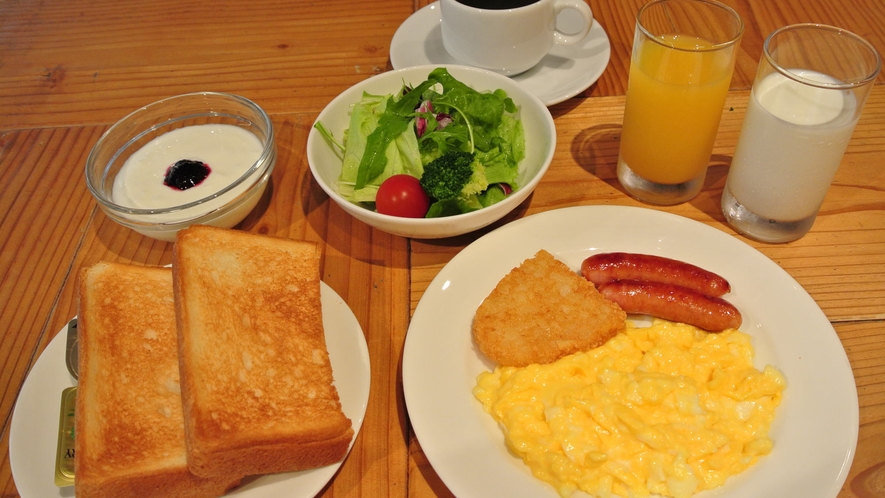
[129, 424]
[256, 377]
[542, 311]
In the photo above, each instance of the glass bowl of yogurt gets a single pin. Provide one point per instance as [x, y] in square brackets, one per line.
[199, 158]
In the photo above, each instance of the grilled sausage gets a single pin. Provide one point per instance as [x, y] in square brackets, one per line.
[606, 267]
[674, 303]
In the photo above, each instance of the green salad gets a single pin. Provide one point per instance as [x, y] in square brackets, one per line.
[463, 147]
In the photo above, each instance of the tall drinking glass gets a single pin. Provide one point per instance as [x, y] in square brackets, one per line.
[682, 62]
[810, 88]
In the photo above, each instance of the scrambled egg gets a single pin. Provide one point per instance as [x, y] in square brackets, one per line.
[666, 409]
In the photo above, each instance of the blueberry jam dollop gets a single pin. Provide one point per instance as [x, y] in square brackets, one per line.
[185, 174]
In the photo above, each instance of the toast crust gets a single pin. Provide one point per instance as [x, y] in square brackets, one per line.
[129, 420]
[257, 383]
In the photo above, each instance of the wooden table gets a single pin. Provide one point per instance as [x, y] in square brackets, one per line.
[69, 69]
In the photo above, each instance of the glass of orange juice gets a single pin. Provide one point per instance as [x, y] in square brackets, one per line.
[683, 58]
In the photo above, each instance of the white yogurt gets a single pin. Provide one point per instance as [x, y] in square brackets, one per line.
[228, 150]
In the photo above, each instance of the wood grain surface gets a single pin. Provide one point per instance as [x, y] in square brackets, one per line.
[69, 69]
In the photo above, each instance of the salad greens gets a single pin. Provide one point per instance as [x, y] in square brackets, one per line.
[402, 133]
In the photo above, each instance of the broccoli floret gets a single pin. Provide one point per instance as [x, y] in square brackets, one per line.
[446, 177]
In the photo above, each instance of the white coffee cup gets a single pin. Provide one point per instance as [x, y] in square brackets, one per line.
[508, 41]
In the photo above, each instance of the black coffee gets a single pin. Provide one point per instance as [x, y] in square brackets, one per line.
[497, 4]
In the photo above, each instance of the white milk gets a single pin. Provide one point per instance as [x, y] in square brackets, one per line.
[227, 149]
[787, 156]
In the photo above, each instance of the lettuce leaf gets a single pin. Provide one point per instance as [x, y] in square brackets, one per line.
[400, 153]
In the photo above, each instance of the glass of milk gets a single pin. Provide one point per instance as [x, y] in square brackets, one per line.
[810, 87]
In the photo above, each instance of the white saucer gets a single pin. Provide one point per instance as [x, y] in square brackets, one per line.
[565, 72]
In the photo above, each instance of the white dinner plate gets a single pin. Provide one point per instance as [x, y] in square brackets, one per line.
[34, 435]
[564, 72]
[815, 428]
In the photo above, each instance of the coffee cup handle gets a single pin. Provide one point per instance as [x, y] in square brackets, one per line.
[585, 12]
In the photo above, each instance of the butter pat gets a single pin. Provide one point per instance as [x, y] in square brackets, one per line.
[64, 455]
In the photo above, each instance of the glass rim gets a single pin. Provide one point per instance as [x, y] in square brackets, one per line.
[714, 47]
[820, 84]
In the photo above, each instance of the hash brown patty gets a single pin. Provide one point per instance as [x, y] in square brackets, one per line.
[542, 311]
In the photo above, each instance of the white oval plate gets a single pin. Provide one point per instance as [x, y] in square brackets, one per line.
[816, 426]
[564, 72]
[34, 434]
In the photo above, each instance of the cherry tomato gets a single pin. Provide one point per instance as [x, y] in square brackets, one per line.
[402, 195]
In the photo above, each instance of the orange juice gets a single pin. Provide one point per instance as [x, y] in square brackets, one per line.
[675, 97]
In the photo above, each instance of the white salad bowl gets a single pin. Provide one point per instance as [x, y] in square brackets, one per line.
[540, 135]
